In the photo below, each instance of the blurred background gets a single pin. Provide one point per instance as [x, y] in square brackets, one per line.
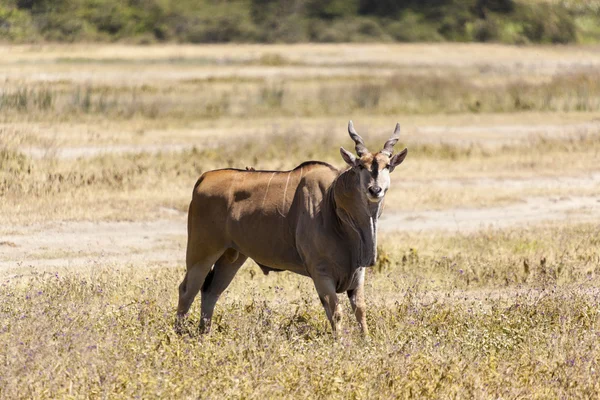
[294, 21]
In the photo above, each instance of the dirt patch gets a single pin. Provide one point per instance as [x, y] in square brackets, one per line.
[81, 244]
[499, 135]
[554, 182]
[93, 151]
[530, 211]
[75, 244]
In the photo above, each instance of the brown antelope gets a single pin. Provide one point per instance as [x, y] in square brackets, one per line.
[314, 220]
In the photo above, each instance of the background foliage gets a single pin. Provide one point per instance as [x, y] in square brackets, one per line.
[266, 21]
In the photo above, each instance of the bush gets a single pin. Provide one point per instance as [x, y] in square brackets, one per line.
[16, 25]
[500, 6]
[331, 9]
[412, 28]
[369, 29]
[544, 23]
[357, 29]
[485, 30]
[321, 31]
[454, 20]
[290, 21]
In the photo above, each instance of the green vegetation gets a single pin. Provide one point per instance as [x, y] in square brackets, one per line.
[267, 21]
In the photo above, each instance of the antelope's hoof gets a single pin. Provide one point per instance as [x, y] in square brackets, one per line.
[204, 327]
[180, 326]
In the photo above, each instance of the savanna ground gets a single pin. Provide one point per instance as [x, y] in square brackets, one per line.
[487, 280]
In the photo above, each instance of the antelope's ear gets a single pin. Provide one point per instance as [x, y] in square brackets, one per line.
[397, 159]
[348, 157]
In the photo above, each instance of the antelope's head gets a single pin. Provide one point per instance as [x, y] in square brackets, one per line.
[373, 169]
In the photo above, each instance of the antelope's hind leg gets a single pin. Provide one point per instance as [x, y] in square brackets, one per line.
[215, 284]
[195, 276]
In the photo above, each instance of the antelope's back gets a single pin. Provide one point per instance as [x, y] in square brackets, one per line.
[256, 211]
[234, 193]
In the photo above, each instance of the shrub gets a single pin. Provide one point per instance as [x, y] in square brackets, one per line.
[412, 28]
[16, 25]
[355, 29]
[202, 21]
[499, 6]
[544, 23]
[454, 19]
[485, 30]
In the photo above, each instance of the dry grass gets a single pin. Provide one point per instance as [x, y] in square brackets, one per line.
[404, 93]
[406, 54]
[450, 316]
[136, 186]
[182, 83]
[491, 314]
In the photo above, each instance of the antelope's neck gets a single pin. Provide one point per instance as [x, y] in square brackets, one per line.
[358, 218]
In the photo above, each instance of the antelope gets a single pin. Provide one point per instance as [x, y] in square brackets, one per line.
[314, 220]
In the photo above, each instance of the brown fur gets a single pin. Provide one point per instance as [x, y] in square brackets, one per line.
[313, 220]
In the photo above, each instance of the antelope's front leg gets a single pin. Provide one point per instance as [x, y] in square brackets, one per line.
[326, 290]
[357, 301]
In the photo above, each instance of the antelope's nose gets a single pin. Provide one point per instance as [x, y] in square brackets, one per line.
[375, 191]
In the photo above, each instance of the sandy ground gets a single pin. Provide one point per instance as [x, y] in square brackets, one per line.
[93, 151]
[89, 244]
[532, 211]
[77, 244]
[565, 183]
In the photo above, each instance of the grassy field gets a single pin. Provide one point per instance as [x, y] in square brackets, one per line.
[493, 314]
[101, 145]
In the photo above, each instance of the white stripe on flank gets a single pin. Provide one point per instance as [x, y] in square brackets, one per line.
[285, 191]
[267, 191]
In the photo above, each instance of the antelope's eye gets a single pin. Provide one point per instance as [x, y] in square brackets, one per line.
[360, 166]
[387, 166]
